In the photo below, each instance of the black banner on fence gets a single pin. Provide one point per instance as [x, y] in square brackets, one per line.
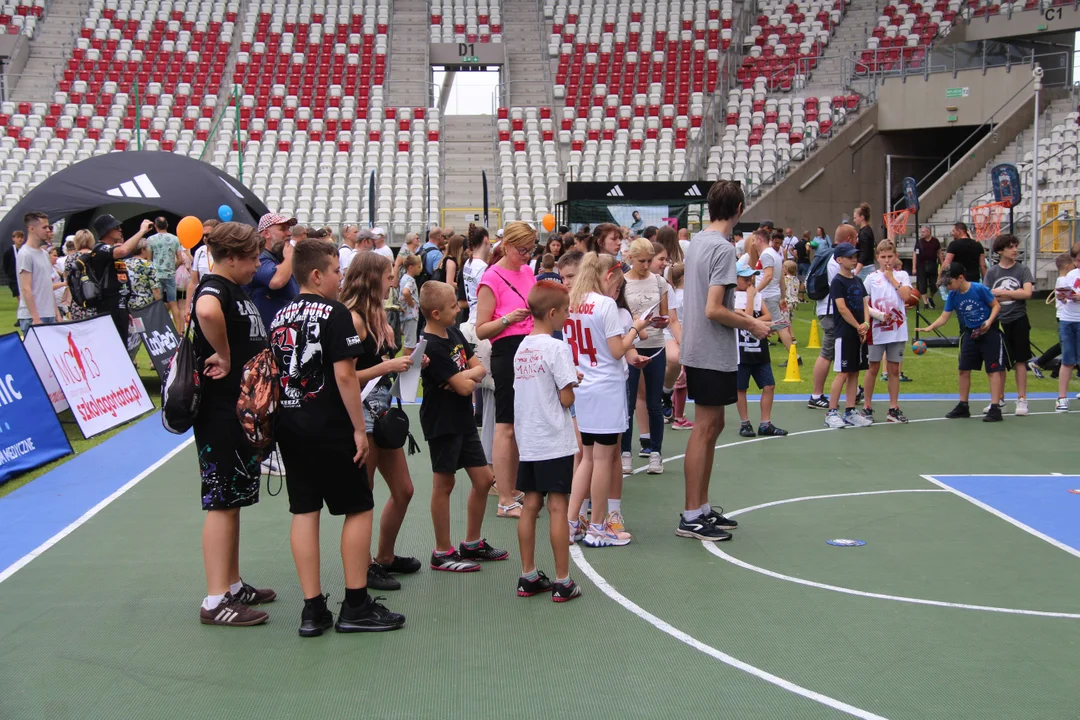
[157, 334]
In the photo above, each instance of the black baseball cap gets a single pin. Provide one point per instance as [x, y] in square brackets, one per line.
[845, 250]
[103, 224]
[950, 272]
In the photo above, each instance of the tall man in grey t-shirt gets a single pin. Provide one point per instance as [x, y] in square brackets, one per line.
[710, 353]
[37, 302]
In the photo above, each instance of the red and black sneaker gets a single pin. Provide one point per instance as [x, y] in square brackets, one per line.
[528, 588]
[231, 611]
[482, 551]
[251, 595]
[565, 592]
[453, 563]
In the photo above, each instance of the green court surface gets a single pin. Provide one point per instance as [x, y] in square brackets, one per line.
[103, 624]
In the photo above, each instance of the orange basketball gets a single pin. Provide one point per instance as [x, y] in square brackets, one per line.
[913, 299]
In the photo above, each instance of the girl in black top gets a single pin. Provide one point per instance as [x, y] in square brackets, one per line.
[367, 285]
[451, 270]
[228, 332]
[865, 244]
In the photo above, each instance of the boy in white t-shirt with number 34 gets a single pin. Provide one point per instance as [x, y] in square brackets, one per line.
[545, 376]
[888, 291]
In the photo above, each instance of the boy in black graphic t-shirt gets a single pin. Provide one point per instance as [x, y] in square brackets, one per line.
[446, 416]
[753, 357]
[850, 303]
[323, 440]
[227, 333]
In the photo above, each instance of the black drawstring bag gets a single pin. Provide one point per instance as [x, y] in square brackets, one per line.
[181, 388]
[391, 430]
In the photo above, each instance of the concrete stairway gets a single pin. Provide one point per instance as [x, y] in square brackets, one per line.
[407, 84]
[49, 51]
[850, 37]
[467, 149]
[526, 55]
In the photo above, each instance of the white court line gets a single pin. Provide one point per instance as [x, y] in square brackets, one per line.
[611, 592]
[712, 547]
[1011, 520]
[28, 557]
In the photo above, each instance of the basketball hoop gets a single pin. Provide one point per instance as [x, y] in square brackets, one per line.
[896, 222]
[986, 219]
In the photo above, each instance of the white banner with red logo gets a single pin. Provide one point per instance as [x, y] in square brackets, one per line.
[94, 372]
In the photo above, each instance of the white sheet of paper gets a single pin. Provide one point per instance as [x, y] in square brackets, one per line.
[650, 311]
[408, 382]
[369, 387]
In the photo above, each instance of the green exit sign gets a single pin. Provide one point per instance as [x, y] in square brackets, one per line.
[957, 92]
[950, 118]
[470, 59]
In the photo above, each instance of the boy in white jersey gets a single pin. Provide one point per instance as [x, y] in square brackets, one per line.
[888, 290]
[599, 345]
[544, 380]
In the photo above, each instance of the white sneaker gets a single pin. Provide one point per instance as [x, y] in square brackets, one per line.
[656, 465]
[856, 418]
[1002, 406]
[273, 464]
[604, 538]
[1062, 405]
[833, 420]
[1021, 407]
[627, 464]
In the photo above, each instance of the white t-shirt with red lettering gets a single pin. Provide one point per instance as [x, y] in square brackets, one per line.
[885, 298]
[542, 367]
[600, 399]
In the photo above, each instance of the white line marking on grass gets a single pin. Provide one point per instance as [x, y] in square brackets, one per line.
[606, 588]
[712, 548]
[1011, 520]
[28, 557]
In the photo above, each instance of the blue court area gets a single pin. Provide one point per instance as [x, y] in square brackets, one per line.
[1040, 503]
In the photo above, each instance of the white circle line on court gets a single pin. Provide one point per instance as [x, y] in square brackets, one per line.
[712, 548]
[605, 587]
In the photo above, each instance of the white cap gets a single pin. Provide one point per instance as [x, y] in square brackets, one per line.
[499, 233]
[378, 231]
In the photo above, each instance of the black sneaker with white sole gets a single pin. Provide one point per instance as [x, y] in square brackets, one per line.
[379, 579]
[482, 551]
[369, 617]
[565, 592]
[453, 563]
[702, 529]
[716, 515]
[818, 403]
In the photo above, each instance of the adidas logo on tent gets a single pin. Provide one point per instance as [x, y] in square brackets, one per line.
[138, 187]
[615, 192]
[693, 192]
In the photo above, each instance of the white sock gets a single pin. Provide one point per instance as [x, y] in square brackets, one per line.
[614, 506]
[668, 390]
[236, 586]
[644, 436]
[706, 509]
[212, 601]
[691, 515]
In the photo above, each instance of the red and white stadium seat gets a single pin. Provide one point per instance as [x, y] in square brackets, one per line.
[21, 16]
[466, 21]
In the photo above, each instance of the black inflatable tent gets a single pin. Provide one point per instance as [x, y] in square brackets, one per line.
[132, 186]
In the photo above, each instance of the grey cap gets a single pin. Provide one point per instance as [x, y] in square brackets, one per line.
[365, 234]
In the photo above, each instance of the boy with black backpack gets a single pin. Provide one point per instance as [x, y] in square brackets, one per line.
[323, 440]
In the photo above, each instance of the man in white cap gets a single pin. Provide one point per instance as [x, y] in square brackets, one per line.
[380, 244]
[274, 287]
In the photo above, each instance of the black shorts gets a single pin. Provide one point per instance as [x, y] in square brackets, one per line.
[229, 465]
[988, 350]
[1017, 335]
[761, 373]
[318, 471]
[605, 439]
[850, 354]
[502, 374]
[546, 476]
[926, 279]
[713, 388]
[450, 453]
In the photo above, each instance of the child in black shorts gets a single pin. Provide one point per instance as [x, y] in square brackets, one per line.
[323, 440]
[850, 303]
[544, 379]
[228, 332]
[446, 416]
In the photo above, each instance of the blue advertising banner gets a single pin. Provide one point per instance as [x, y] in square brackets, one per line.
[30, 433]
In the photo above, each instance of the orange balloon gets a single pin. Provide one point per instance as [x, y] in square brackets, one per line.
[189, 231]
[548, 221]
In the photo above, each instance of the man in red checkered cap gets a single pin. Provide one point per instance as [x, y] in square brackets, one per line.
[274, 287]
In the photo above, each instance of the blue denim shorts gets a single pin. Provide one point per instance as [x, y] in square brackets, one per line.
[376, 403]
[1069, 333]
[168, 289]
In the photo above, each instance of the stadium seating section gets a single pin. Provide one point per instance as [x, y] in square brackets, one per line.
[466, 21]
[21, 16]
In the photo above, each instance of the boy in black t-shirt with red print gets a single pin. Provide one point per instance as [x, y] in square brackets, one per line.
[446, 416]
[323, 440]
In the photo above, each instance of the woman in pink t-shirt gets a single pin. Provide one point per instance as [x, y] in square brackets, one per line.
[502, 316]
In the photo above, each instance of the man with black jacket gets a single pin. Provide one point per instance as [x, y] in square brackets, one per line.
[107, 264]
